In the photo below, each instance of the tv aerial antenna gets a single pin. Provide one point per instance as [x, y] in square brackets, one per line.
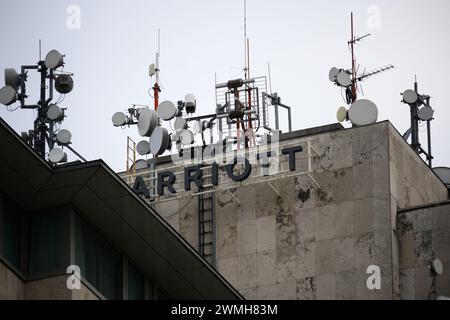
[415, 100]
[50, 115]
[350, 79]
[154, 71]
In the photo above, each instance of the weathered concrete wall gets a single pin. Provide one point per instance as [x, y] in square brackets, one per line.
[424, 235]
[316, 243]
[11, 286]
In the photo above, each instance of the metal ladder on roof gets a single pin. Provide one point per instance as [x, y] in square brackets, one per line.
[207, 226]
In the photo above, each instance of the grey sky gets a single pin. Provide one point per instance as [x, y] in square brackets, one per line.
[117, 40]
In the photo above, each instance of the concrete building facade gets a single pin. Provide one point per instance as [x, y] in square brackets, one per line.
[312, 234]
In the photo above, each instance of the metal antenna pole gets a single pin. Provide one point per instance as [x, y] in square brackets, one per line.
[415, 123]
[156, 87]
[429, 156]
[352, 42]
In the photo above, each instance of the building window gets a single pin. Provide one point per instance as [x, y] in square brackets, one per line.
[10, 232]
[136, 284]
[100, 265]
[48, 242]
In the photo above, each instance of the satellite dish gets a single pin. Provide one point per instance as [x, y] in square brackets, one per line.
[363, 112]
[426, 113]
[179, 124]
[190, 103]
[12, 78]
[54, 59]
[64, 83]
[57, 155]
[167, 110]
[332, 75]
[444, 174]
[185, 137]
[410, 96]
[437, 267]
[197, 126]
[119, 119]
[63, 137]
[344, 79]
[55, 113]
[8, 95]
[341, 114]
[152, 70]
[143, 147]
[159, 141]
[141, 164]
[148, 120]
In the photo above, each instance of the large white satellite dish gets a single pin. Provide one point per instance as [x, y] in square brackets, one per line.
[344, 79]
[341, 114]
[410, 96]
[57, 155]
[119, 119]
[63, 137]
[54, 59]
[143, 147]
[12, 78]
[363, 112]
[332, 75]
[148, 120]
[179, 124]
[159, 141]
[167, 110]
[426, 113]
[55, 113]
[8, 95]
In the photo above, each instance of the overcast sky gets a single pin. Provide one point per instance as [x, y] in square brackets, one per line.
[116, 41]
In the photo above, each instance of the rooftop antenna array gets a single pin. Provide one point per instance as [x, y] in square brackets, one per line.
[425, 114]
[350, 80]
[50, 115]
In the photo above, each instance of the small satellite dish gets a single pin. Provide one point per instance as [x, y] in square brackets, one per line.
[444, 174]
[8, 95]
[197, 126]
[179, 124]
[332, 75]
[190, 103]
[141, 164]
[64, 83]
[410, 96]
[54, 59]
[119, 119]
[55, 113]
[426, 113]
[341, 114]
[159, 141]
[63, 137]
[167, 110]
[185, 137]
[363, 112]
[148, 120]
[152, 70]
[437, 267]
[12, 78]
[57, 155]
[143, 147]
[344, 79]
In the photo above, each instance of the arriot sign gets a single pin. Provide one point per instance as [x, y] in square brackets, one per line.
[166, 180]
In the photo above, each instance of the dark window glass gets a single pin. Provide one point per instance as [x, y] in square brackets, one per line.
[136, 284]
[48, 242]
[12, 242]
[98, 262]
